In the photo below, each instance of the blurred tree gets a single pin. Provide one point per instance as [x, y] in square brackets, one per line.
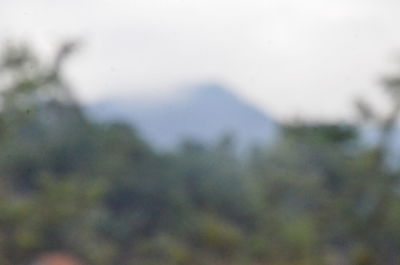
[43, 145]
[98, 191]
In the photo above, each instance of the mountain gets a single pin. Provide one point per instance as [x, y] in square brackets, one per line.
[203, 113]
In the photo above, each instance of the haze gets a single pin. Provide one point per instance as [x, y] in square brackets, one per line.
[305, 58]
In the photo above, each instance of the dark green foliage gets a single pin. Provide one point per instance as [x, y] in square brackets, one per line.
[328, 133]
[100, 192]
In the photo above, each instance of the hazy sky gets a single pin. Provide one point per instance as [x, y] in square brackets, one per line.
[289, 57]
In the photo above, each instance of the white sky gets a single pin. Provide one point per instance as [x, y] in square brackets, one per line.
[289, 57]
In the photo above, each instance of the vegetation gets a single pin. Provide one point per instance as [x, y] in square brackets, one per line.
[98, 191]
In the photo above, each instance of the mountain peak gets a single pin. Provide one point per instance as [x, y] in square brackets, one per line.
[210, 90]
[204, 113]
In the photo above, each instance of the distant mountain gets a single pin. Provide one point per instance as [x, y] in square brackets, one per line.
[203, 113]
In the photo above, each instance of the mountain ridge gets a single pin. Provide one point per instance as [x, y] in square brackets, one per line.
[203, 113]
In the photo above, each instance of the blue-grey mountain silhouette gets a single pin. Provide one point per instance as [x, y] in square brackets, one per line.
[203, 113]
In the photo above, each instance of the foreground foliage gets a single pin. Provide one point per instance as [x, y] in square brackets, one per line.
[100, 192]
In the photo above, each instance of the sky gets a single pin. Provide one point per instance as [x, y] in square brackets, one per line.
[290, 58]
